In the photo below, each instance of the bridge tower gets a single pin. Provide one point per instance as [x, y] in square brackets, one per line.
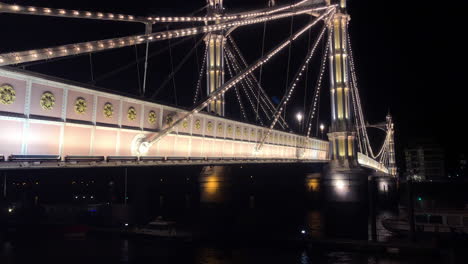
[342, 134]
[391, 147]
[215, 60]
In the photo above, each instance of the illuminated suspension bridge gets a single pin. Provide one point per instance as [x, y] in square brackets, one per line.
[46, 122]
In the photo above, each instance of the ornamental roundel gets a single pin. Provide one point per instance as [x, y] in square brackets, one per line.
[252, 133]
[229, 130]
[209, 126]
[7, 94]
[169, 120]
[47, 101]
[108, 110]
[246, 132]
[185, 124]
[197, 124]
[238, 131]
[152, 117]
[80, 105]
[131, 113]
[220, 128]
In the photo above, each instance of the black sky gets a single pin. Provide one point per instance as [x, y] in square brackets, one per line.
[410, 57]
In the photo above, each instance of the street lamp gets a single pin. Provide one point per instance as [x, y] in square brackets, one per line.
[299, 118]
[322, 127]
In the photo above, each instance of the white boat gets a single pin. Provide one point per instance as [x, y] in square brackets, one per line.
[431, 221]
[162, 229]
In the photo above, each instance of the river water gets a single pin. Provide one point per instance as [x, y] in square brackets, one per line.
[245, 214]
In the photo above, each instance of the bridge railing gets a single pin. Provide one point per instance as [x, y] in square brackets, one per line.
[45, 116]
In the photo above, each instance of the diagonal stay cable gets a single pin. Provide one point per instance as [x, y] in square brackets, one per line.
[241, 105]
[314, 102]
[291, 88]
[265, 97]
[237, 70]
[244, 84]
[200, 76]
[179, 66]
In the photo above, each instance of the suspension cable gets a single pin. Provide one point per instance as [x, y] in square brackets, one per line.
[148, 30]
[200, 76]
[318, 86]
[306, 81]
[171, 76]
[358, 124]
[228, 64]
[236, 70]
[292, 86]
[153, 138]
[120, 42]
[251, 89]
[261, 67]
[289, 61]
[172, 71]
[91, 67]
[138, 71]
[129, 65]
[358, 100]
[264, 97]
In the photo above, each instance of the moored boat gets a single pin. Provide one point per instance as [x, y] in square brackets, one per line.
[449, 221]
[160, 228]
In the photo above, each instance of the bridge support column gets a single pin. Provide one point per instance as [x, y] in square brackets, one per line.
[344, 182]
[215, 59]
[342, 134]
[344, 163]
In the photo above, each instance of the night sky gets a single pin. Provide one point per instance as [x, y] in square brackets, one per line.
[408, 59]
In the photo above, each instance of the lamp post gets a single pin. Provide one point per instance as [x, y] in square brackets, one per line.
[322, 127]
[299, 118]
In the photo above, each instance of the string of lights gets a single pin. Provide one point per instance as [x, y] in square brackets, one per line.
[292, 87]
[200, 76]
[45, 11]
[237, 70]
[144, 146]
[94, 46]
[234, 71]
[244, 83]
[263, 94]
[264, 98]
[319, 83]
[382, 155]
[384, 150]
[229, 65]
[355, 90]
[358, 124]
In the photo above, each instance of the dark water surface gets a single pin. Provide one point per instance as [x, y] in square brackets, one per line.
[125, 251]
[245, 214]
